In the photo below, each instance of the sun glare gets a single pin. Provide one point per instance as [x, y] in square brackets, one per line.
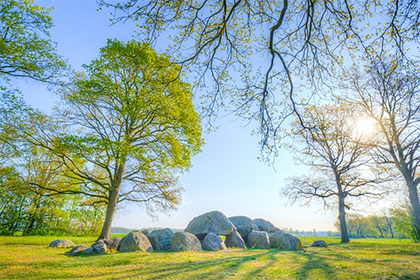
[365, 126]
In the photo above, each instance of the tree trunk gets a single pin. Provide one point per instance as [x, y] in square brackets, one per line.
[415, 204]
[112, 203]
[342, 219]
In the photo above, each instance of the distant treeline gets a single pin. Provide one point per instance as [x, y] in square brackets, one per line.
[123, 230]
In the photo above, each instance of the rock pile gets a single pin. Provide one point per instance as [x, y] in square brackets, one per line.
[212, 231]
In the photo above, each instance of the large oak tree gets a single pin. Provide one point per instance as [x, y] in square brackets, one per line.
[130, 117]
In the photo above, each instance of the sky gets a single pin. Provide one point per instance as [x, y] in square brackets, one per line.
[226, 176]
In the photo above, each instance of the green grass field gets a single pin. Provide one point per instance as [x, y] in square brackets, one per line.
[30, 258]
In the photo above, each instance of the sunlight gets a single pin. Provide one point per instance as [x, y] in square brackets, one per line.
[365, 126]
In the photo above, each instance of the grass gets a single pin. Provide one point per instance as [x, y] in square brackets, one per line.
[30, 258]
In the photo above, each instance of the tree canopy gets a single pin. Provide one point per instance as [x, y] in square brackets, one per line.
[26, 50]
[125, 129]
[260, 54]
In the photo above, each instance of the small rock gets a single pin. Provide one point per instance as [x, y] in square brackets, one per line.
[185, 241]
[61, 243]
[89, 251]
[320, 243]
[77, 250]
[111, 243]
[213, 242]
[234, 240]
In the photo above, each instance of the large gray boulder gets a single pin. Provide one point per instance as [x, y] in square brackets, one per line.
[215, 222]
[135, 241]
[213, 242]
[265, 225]
[61, 243]
[285, 241]
[185, 241]
[77, 250]
[234, 240]
[110, 243]
[258, 240]
[320, 243]
[243, 225]
[161, 239]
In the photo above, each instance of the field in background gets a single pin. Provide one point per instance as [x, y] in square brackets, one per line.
[30, 258]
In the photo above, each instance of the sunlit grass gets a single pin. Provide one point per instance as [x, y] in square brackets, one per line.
[30, 258]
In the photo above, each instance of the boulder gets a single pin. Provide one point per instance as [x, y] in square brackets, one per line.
[243, 225]
[255, 227]
[215, 222]
[285, 241]
[161, 239]
[320, 243]
[111, 243]
[135, 241]
[99, 248]
[265, 225]
[61, 243]
[185, 241]
[213, 242]
[89, 251]
[146, 231]
[77, 250]
[258, 240]
[234, 240]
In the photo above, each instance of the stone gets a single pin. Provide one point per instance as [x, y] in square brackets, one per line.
[161, 239]
[285, 241]
[146, 231]
[89, 251]
[215, 222]
[185, 241]
[77, 250]
[235, 240]
[320, 243]
[135, 241]
[258, 240]
[255, 227]
[265, 225]
[111, 243]
[243, 225]
[100, 248]
[213, 242]
[61, 243]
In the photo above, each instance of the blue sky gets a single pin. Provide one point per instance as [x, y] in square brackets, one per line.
[226, 176]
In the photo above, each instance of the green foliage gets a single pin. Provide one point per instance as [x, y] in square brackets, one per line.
[131, 112]
[25, 46]
[404, 220]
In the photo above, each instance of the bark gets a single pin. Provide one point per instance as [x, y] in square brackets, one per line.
[415, 204]
[342, 219]
[112, 204]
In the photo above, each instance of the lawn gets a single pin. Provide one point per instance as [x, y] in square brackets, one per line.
[30, 258]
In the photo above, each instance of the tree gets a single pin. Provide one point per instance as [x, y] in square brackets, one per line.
[130, 121]
[296, 39]
[404, 220]
[337, 156]
[26, 50]
[389, 92]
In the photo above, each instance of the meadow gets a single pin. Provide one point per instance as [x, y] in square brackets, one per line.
[30, 258]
